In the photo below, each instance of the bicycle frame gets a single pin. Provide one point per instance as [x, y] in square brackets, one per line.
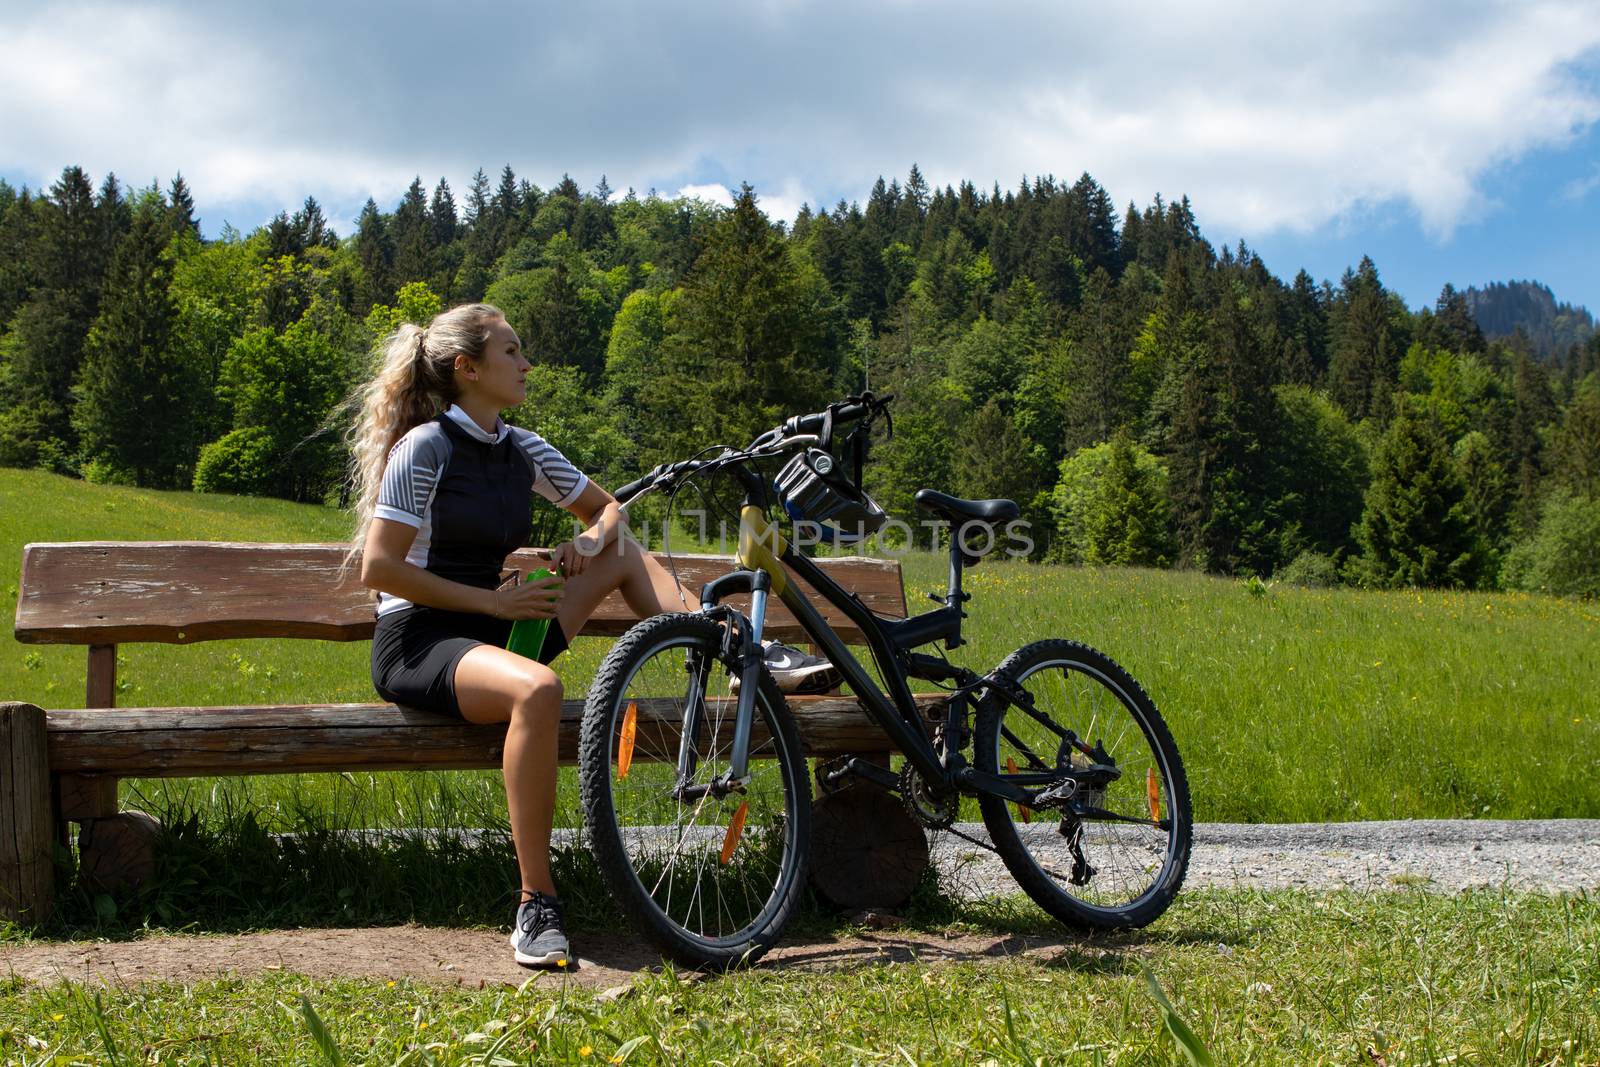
[763, 555]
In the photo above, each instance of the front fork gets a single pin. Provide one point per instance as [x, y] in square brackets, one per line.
[742, 637]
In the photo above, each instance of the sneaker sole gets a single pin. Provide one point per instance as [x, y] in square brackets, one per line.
[549, 959]
[816, 679]
[821, 678]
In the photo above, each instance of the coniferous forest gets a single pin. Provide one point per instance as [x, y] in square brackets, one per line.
[1148, 398]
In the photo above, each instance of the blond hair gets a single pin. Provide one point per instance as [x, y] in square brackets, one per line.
[415, 380]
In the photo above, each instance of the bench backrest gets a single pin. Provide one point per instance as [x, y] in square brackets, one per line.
[178, 592]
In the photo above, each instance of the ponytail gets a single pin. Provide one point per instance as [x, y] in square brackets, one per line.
[414, 381]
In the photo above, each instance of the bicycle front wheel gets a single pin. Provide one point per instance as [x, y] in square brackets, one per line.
[709, 879]
[1116, 856]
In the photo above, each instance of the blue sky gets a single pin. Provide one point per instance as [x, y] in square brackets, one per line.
[1451, 142]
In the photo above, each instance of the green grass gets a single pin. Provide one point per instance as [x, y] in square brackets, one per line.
[1288, 704]
[1279, 978]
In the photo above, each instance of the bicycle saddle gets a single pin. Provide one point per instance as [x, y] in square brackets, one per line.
[958, 510]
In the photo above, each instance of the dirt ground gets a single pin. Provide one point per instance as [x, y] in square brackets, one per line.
[1557, 855]
[451, 957]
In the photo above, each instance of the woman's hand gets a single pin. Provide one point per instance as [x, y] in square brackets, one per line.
[570, 558]
[536, 599]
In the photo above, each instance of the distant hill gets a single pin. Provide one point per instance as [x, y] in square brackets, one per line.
[1501, 307]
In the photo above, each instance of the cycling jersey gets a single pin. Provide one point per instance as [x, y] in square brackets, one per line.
[469, 493]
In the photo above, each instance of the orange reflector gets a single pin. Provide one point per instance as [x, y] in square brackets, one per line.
[730, 840]
[630, 729]
[1152, 789]
[1022, 809]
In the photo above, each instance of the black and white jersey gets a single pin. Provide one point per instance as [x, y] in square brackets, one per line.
[469, 493]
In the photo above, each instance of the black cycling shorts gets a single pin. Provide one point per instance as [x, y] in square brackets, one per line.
[415, 651]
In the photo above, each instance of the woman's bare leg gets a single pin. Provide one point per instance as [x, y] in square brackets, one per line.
[623, 565]
[493, 685]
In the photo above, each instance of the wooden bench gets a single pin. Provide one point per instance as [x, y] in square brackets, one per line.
[62, 765]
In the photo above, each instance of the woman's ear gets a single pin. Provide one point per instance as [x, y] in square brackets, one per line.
[463, 365]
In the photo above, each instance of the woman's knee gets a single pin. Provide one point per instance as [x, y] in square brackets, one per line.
[538, 693]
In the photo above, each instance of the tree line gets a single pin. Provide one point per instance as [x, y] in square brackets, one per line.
[1148, 398]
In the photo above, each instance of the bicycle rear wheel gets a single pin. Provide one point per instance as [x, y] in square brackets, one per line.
[710, 881]
[1115, 866]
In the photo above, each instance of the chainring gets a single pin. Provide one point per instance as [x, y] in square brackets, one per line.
[935, 809]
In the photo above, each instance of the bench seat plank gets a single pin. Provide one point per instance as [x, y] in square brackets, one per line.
[179, 592]
[180, 742]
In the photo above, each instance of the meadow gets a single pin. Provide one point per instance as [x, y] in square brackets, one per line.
[1288, 704]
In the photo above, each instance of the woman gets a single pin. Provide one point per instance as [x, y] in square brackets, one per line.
[444, 490]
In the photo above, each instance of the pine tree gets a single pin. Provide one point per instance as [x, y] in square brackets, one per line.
[1306, 354]
[311, 228]
[413, 235]
[17, 269]
[1099, 367]
[1487, 503]
[1533, 409]
[180, 203]
[1366, 352]
[442, 215]
[116, 214]
[135, 403]
[1575, 458]
[758, 337]
[1415, 530]
[1458, 330]
[477, 207]
[1218, 446]
[375, 253]
[72, 243]
[1111, 507]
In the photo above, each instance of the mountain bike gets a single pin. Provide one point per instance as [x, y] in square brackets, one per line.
[696, 791]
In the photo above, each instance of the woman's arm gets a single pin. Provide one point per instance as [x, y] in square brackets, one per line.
[606, 521]
[384, 567]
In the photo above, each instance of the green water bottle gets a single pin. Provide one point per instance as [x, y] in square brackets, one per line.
[527, 635]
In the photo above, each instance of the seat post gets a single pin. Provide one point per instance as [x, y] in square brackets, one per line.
[954, 597]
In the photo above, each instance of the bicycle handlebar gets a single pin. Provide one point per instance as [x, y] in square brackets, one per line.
[795, 430]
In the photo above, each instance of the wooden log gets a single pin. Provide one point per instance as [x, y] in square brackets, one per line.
[118, 852]
[27, 873]
[105, 592]
[183, 742]
[866, 850]
[85, 796]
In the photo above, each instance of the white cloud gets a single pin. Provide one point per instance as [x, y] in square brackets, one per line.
[780, 207]
[1270, 118]
[714, 193]
[1578, 188]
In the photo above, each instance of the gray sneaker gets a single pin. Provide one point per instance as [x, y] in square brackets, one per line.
[797, 672]
[537, 940]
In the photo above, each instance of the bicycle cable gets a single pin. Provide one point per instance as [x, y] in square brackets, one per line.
[666, 524]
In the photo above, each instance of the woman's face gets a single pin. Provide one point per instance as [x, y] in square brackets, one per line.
[500, 372]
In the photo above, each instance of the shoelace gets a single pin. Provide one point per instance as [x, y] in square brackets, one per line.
[545, 913]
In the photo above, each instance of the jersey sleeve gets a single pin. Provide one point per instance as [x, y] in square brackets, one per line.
[412, 474]
[554, 476]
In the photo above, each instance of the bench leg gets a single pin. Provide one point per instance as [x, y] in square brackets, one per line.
[866, 849]
[27, 869]
[116, 849]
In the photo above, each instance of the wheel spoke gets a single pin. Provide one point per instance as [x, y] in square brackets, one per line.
[706, 877]
[1129, 843]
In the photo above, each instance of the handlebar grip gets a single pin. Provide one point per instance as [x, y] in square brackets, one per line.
[813, 423]
[632, 489]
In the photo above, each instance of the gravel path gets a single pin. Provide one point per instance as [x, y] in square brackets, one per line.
[1541, 855]
[1439, 856]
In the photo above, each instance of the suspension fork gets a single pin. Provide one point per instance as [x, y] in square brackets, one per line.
[760, 544]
